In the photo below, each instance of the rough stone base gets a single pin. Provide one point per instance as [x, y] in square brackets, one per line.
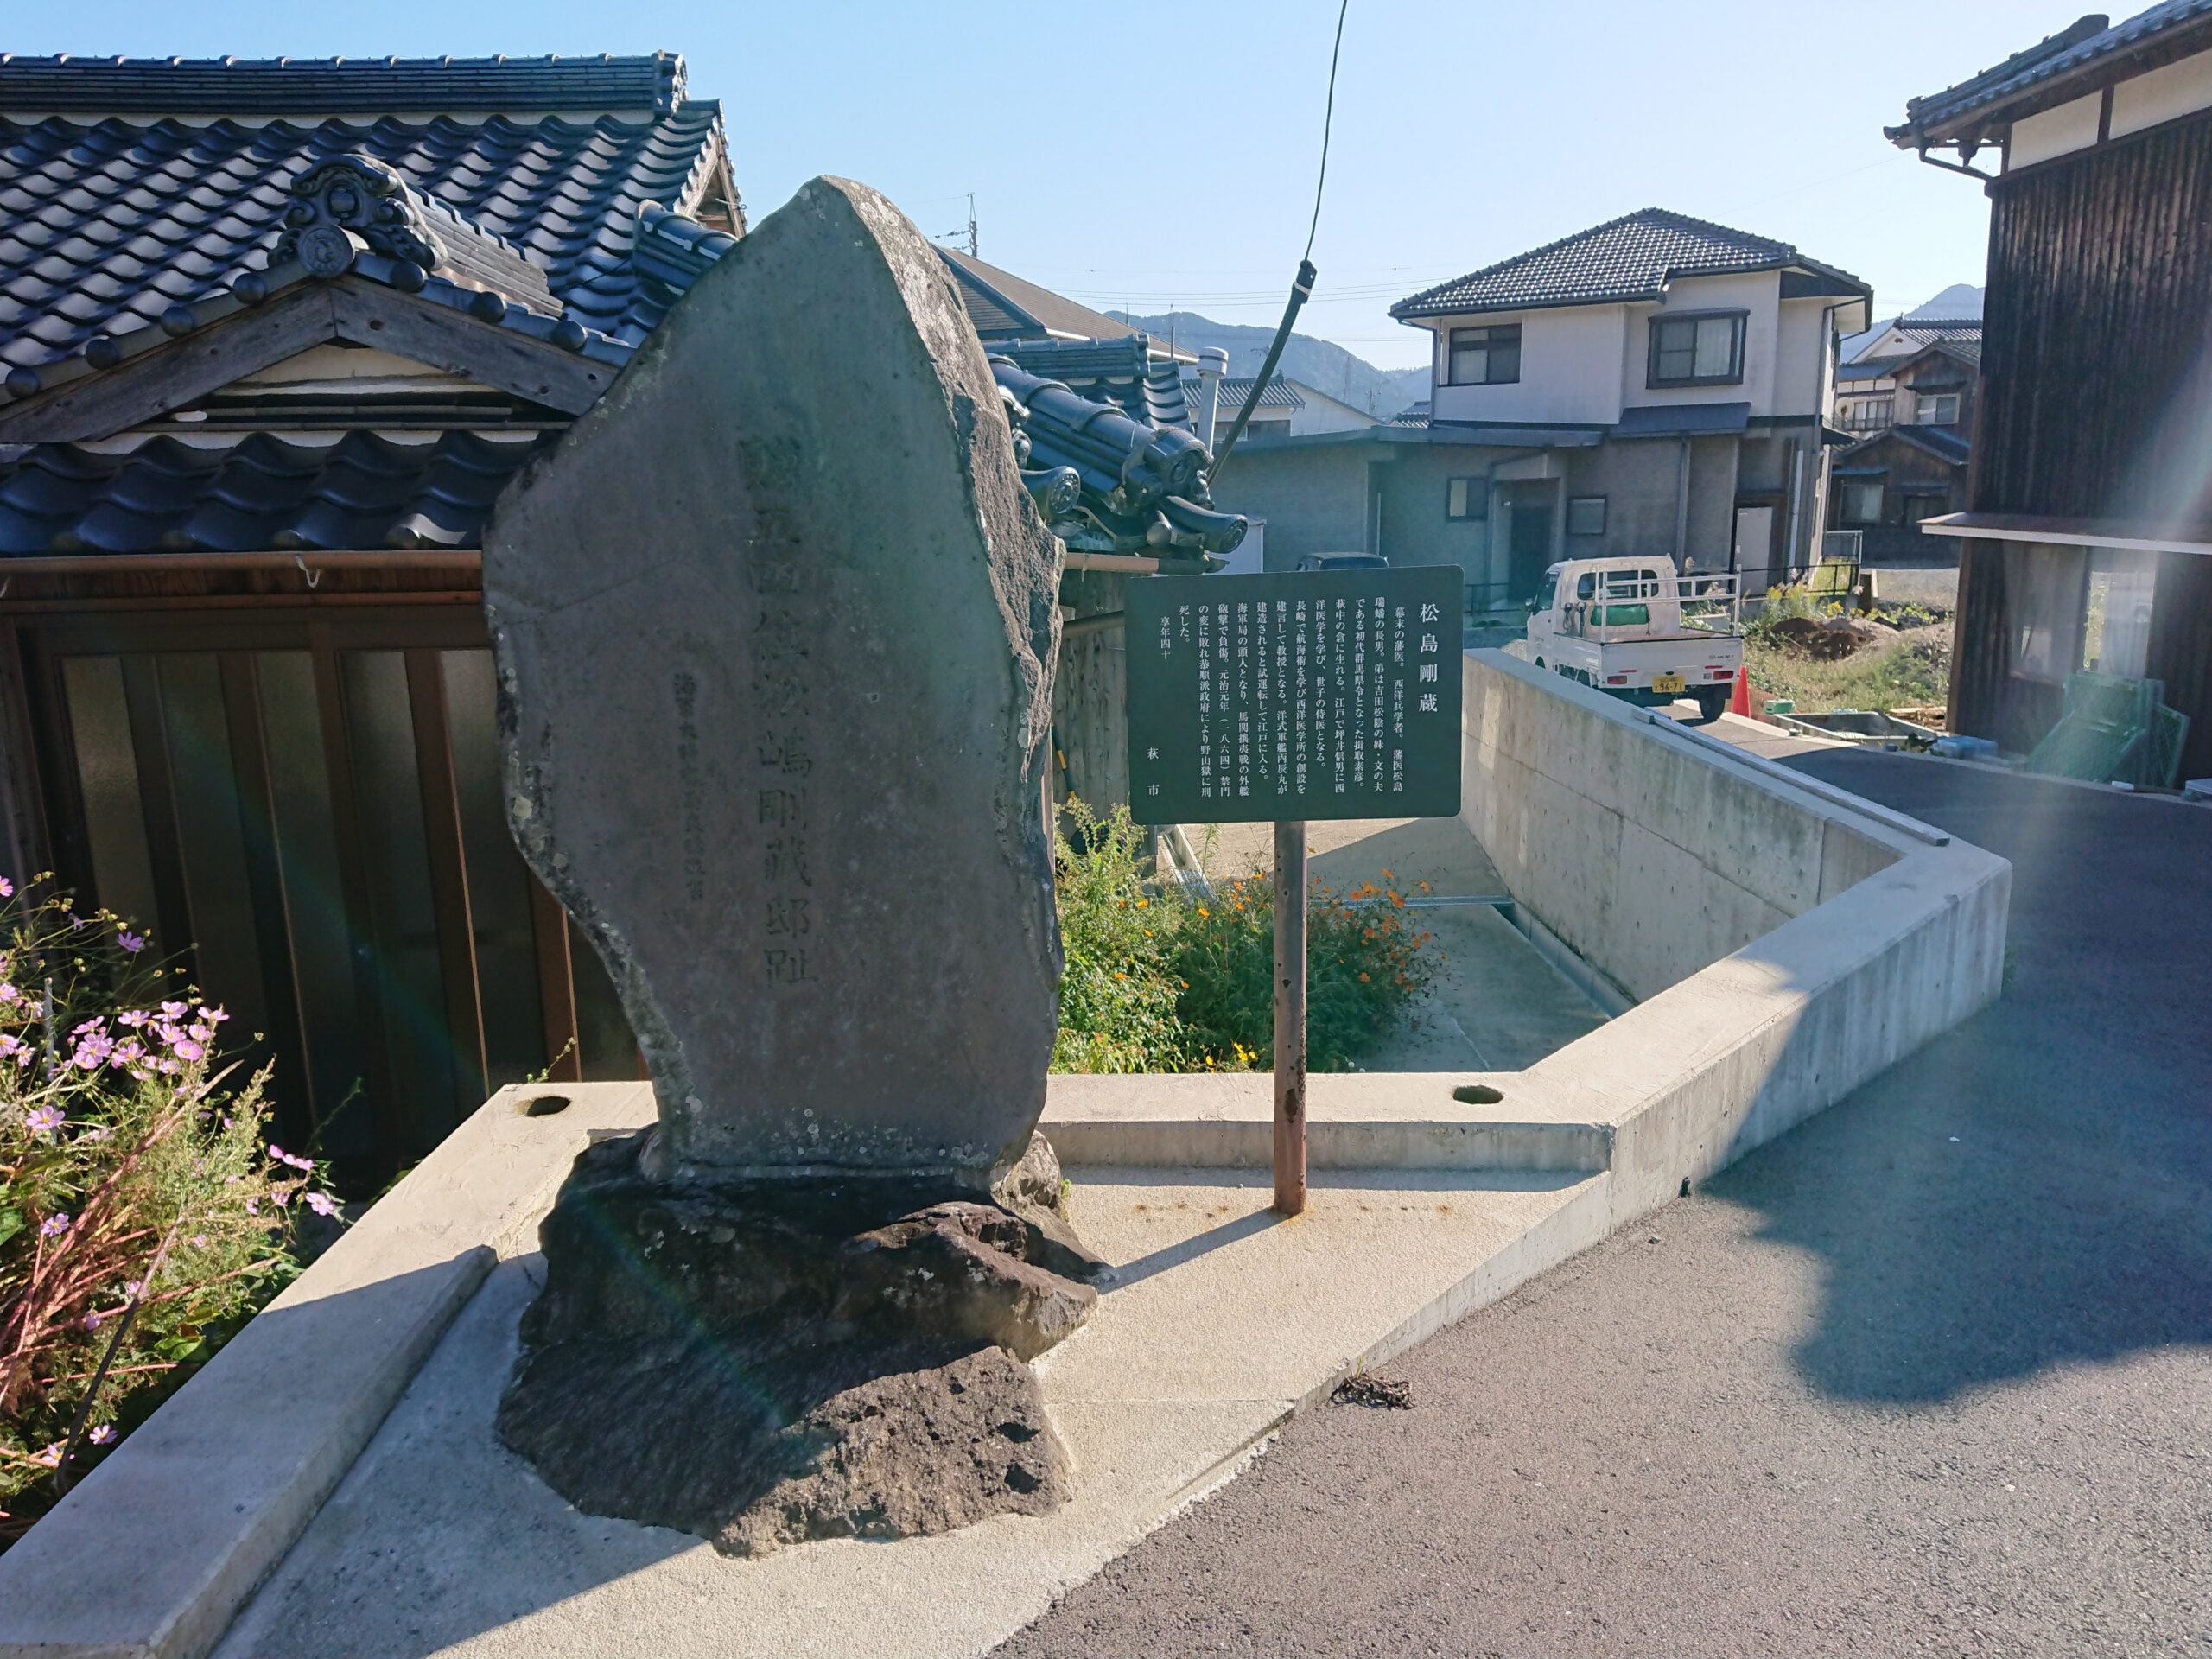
[762, 1363]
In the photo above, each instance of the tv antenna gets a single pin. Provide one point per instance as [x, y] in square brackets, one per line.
[970, 232]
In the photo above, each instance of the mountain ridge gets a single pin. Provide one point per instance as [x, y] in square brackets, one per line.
[1323, 365]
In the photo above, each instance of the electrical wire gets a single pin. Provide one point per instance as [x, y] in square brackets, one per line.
[1328, 120]
[1301, 287]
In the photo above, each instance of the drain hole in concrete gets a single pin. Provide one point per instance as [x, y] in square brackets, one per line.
[544, 1105]
[1477, 1094]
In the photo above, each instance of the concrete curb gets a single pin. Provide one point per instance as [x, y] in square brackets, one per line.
[204, 1498]
[1370, 1120]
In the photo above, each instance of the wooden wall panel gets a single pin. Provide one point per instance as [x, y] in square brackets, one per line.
[2097, 339]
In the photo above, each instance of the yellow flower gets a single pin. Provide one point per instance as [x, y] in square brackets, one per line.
[1141, 903]
[1203, 911]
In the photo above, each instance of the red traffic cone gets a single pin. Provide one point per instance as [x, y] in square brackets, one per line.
[1739, 700]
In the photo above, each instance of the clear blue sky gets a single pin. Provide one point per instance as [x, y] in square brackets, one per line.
[1152, 153]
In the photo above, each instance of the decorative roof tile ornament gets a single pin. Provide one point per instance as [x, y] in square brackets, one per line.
[349, 204]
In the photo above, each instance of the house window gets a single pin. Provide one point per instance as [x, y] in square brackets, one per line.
[1485, 356]
[1862, 504]
[1465, 498]
[1919, 507]
[1586, 515]
[1937, 408]
[1697, 351]
[1268, 428]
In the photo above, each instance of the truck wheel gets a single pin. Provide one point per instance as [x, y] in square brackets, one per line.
[1712, 703]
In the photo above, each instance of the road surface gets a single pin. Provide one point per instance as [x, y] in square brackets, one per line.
[1933, 1373]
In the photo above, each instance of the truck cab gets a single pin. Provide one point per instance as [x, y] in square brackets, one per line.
[1636, 628]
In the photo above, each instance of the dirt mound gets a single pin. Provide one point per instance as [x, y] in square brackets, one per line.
[1822, 642]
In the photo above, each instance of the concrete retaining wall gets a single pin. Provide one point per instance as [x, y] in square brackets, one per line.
[1651, 856]
[1787, 951]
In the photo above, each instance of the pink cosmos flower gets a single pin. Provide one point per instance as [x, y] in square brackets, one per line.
[174, 1010]
[323, 1203]
[45, 1119]
[103, 1435]
[133, 942]
[55, 1225]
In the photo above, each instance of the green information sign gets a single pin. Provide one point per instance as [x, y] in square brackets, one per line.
[1315, 694]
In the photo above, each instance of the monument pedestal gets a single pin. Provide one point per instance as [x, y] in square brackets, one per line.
[765, 1361]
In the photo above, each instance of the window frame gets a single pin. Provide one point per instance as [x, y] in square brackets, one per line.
[1574, 501]
[1660, 321]
[1477, 501]
[1452, 337]
[1846, 517]
[1922, 417]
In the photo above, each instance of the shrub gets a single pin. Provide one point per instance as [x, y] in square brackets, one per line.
[1158, 980]
[140, 1214]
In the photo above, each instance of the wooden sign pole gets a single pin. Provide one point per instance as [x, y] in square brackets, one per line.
[1290, 1017]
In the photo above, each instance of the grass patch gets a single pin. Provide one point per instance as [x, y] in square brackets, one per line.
[1158, 980]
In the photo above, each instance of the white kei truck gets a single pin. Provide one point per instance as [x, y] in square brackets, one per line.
[1636, 629]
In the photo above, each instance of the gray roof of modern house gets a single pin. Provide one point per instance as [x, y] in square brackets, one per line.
[1860, 458]
[1922, 333]
[1633, 258]
[2085, 57]
[124, 206]
[1003, 306]
[1280, 393]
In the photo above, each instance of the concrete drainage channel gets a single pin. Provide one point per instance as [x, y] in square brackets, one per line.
[1781, 946]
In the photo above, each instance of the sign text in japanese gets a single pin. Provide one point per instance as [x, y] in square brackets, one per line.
[1313, 694]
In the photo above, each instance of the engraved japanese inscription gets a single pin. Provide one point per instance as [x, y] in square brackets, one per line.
[1320, 695]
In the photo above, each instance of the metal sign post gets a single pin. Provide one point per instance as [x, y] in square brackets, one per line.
[1284, 699]
[1290, 1017]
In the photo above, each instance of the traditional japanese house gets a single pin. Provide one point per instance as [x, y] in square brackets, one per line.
[273, 336]
[2087, 535]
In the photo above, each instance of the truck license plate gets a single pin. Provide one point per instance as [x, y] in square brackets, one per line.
[1669, 683]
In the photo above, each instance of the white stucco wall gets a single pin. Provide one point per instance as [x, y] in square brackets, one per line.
[2178, 89]
[1581, 365]
[1570, 356]
[2055, 132]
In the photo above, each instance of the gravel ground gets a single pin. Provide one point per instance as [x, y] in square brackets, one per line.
[1931, 1374]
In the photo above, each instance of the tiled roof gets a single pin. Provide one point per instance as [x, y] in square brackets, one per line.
[1280, 394]
[1944, 442]
[362, 493]
[1631, 257]
[106, 226]
[1118, 371]
[2080, 58]
[72, 84]
[1105, 481]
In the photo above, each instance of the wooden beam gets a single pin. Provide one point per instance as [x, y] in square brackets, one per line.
[426, 698]
[556, 985]
[27, 846]
[441, 338]
[271, 906]
[149, 743]
[353, 881]
[173, 376]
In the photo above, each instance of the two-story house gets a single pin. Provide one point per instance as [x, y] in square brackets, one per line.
[1914, 468]
[2089, 535]
[1655, 385]
[1866, 381]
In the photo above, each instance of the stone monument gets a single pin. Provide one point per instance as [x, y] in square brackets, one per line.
[775, 625]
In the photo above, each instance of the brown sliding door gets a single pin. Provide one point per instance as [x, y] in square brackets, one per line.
[306, 814]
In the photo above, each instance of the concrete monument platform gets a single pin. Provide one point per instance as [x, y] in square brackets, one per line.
[1222, 1319]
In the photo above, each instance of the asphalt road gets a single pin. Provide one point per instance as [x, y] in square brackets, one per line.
[1932, 1374]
